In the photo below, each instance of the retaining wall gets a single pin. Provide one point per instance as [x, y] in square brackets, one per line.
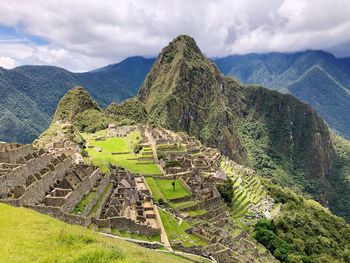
[59, 214]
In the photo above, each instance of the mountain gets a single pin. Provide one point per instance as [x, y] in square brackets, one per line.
[315, 77]
[29, 94]
[73, 103]
[276, 134]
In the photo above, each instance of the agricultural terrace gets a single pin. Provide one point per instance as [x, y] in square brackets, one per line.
[120, 151]
[246, 188]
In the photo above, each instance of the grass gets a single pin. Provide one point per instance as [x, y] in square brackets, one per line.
[163, 189]
[185, 204]
[177, 232]
[79, 208]
[97, 205]
[118, 145]
[197, 212]
[157, 193]
[27, 236]
[167, 189]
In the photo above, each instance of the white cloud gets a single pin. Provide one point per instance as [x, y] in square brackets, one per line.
[7, 62]
[87, 34]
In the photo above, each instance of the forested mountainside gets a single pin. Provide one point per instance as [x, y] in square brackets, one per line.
[315, 77]
[29, 94]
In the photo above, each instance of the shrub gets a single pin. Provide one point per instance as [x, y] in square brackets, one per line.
[226, 191]
[173, 163]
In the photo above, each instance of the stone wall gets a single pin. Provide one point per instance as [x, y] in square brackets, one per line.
[105, 198]
[180, 199]
[126, 224]
[20, 174]
[212, 202]
[73, 198]
[59, 214]
[13, 155]
[36, 192]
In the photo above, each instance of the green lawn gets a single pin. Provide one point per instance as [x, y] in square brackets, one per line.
[163, 189]
[27, 236]
[167, 189]
[177, 232]
[157, 193]
[118, 145]
[197, 212]
[79, 208]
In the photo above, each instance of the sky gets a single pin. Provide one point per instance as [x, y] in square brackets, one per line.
[82, 35]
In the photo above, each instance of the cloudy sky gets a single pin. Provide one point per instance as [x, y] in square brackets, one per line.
[81, 35]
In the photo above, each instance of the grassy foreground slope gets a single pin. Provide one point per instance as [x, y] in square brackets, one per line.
[28, 236]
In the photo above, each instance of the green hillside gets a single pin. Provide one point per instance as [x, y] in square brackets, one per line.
[303, 231]
[315, 77]
[40, 238]
[29, 94]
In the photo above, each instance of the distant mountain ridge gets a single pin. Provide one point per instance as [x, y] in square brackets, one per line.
[315, 77]
[29, 94]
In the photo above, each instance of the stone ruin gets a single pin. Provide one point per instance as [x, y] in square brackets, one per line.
[198, 167]
[54, 184]
[128, 206]
[49, 183]
[119, 131]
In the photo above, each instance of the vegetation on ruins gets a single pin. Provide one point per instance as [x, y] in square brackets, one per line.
[41, 238]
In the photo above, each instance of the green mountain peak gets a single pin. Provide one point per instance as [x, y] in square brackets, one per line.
[75, 101]
[271, 132]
